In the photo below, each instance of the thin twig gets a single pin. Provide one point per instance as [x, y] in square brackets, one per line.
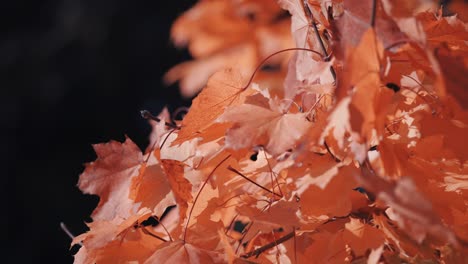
[266, 247]
[164, 227]
[253, 182]
[165, 139]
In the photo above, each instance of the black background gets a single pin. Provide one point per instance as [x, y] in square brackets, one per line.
[73, 73]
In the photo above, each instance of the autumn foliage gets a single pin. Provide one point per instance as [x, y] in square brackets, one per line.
[323, 132]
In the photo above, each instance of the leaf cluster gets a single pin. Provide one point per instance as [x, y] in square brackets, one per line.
[349, 147]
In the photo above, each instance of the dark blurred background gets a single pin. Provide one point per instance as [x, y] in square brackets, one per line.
[73, 73]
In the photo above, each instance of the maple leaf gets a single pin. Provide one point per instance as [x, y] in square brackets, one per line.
[301, 22]
[409, 208]
[109, 177]
[362, 112]
[150, 188]
[280, 214]
[116, 240]
[255, 125]
[181, 252]
[361, 237]
[236, 33]
[305, 67]
[454, 69]
[104, 231]
[298, 171]
[180, 186]
[225, 88]
[195, 29]
[358, 17]
[330, 199]
[193, 75]
[404, 9]
[137, 248]
[447, 30]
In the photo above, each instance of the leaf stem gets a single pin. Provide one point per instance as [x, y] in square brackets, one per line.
[165, 139]
[271, 55]
[199, 192]
[164, 227]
